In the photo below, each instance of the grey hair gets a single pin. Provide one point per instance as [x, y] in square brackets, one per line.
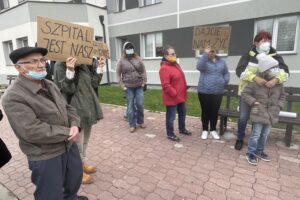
[166, 48]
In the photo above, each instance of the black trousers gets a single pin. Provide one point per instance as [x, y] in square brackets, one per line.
[210, 105]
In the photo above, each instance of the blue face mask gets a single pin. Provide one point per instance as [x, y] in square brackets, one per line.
[37, 75]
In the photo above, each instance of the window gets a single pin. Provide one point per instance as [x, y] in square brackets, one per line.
[4, 4]
[284, 31]
[7, 49]
[99, 38]
[119, 5]
[22, 42]
[150, 2]
[152, 45]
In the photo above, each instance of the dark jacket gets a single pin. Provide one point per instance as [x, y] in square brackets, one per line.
[271, 101]
[174, 88]
[81, 92]
[251, 57]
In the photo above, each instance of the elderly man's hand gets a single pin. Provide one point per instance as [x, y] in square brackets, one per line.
[70, 63]
[73, 134]
[272, 83]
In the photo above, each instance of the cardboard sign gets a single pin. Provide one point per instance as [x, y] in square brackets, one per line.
[63, 39]
[215, 37]
[100, 49]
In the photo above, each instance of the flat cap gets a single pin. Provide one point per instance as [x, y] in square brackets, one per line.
[25, 51]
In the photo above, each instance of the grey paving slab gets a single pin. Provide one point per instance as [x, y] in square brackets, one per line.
[146, 165]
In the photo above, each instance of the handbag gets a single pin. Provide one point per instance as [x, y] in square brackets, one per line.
[5, 155]
[145, 85]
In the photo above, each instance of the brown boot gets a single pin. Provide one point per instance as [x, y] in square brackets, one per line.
[132, 129]
[142, 125]
[86, 179]
[89, 169]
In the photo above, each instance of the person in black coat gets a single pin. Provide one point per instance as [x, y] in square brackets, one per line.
[5, 155]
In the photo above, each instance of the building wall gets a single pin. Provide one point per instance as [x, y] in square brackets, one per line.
[24, 24]
[176, 19]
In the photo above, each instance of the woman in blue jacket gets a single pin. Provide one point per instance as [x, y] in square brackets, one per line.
[214, 76]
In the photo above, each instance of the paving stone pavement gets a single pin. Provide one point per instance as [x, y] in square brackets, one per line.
[146, 165]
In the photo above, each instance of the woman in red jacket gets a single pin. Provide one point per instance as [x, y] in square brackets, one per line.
[174, 92]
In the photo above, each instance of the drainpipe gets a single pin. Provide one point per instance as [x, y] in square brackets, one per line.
[101, 18]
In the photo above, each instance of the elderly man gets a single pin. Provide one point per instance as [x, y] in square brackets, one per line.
[46, 126]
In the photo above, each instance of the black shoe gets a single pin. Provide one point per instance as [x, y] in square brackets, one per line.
[82, 198]
[238, 144]
[252, 160]
[263, 156]
[174, 138]
[185, 132]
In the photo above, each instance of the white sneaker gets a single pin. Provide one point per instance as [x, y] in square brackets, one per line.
[215, 135]
[204, 135]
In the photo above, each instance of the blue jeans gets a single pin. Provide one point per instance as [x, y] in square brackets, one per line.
[135, 106]
[243, 118]
[170, 117]
[258, 138]
[59, 177]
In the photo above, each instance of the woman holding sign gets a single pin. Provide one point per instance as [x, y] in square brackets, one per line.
[214, 76]
[78, 84]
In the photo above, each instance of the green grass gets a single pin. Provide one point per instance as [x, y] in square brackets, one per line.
[152, 99]
[153, 102]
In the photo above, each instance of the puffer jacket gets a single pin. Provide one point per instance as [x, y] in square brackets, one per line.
[214, 76]
[174, 88]
[271, 101]
[131, 73]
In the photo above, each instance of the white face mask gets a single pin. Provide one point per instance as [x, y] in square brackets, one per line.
[129, 51]
[265, 47]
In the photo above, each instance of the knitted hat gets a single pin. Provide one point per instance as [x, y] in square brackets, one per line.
[128, 45]
[265, 62]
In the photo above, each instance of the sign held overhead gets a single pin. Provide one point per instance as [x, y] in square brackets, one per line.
[215, 37]
[63, 39]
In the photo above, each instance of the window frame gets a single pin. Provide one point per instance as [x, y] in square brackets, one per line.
[8, 47]
[143, 3]
[3, 4]
[275, 32]
[117, 7]
[21, 42]
[143, 50]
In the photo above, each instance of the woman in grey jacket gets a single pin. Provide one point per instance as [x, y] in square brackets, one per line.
[214, 76]
[131, 74]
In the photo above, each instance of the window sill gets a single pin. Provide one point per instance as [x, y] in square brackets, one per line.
[153, 58]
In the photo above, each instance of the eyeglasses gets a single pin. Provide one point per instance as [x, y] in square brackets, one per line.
[172, 54]
[35, 61]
